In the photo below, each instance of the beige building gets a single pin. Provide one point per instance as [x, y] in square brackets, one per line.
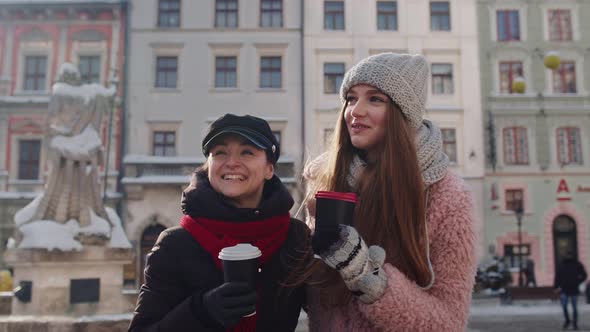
[191, 62]
[337, 34]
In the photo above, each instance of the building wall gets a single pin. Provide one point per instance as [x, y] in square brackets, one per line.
[460, 110]
[153, 184]
[541, 111]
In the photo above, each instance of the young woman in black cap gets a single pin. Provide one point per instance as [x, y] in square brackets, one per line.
[234, 198]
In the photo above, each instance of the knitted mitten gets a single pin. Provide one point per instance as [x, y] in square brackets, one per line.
[359, 266]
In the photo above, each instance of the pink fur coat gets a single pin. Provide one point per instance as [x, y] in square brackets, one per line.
[405, 306]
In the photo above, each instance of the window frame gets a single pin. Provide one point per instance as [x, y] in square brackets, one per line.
[442, 79]
[226, 70]
[516, 150]
[437, 17]
[560, 75]
[333, 15]
[227, 12]
[166, 71]
[516, 259]
[387, 16]
[269, 71]
[512, 74]
[168, 14]
[37, 77]
[333, 76]
[270, 11]
[165, 145]
[32, 165]
[560, 37]
[572, 150]
[506, 22]
[448, 142]
[82, 74]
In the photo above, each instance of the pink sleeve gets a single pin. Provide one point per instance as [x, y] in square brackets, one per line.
[445, 306]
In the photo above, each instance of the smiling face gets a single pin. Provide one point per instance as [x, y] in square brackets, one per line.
[238, 170]
[365, 117]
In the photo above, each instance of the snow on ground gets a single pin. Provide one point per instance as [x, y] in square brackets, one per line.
[41, 319]
[50, 235]
[26, 213]
[492, 307]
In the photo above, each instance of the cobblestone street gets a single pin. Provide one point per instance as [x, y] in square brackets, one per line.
[487, 315]
[534, 316]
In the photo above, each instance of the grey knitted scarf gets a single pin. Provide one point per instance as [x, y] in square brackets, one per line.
[432, 160]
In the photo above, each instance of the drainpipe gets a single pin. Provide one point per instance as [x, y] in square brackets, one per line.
[122, 205]
[302, 161]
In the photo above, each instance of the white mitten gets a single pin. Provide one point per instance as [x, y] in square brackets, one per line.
[359, 266]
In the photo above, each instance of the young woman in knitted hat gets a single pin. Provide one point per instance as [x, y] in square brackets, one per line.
[408, 263]
[234, 198]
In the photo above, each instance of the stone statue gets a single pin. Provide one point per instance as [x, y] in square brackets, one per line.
[75, 153]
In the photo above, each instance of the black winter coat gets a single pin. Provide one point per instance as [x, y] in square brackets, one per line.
[569, 276]
[178, 270]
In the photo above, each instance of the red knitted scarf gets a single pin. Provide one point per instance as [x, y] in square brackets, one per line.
[213, 235]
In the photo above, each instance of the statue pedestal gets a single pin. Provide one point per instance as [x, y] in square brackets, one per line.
[74, 283]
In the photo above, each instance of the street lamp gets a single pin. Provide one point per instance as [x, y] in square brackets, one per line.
[551, 60]
[519, 212]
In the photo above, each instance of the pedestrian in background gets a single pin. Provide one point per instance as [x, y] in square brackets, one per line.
[529, 273]
[234, 198]
[568, 278]
[408, 263]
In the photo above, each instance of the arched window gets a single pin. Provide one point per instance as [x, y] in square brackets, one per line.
[148, 239]
[564, 238]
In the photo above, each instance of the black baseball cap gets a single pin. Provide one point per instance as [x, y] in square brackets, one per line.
[254, 129]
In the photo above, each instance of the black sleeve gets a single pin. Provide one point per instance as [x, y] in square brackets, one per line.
[164, 304]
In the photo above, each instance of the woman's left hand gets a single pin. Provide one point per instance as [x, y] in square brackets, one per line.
[359, 266]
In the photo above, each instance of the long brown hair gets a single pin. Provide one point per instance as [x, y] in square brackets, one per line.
[391, 208]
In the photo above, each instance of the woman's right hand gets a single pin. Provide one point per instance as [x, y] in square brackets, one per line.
[231, 301]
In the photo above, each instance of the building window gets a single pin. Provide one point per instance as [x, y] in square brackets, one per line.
[564, 78]
[449, 139]
[440, 16]
[270, 72]
[169, 13]
[442, 78]
[164, 143]
[29, 152]
[514, 199]
[333, 76]
[509, 70]
[271, 13]
[334, 15]
[226, 13]
[166, 71]
[278, 136]
[89, 67]
[508, 25]
[569, 146]
[35, 72]
[226, 72]
[560, 25]
[386, 15]
[516, 151]
[513, 254]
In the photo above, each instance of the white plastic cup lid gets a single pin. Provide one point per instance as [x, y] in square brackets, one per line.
[239, 252]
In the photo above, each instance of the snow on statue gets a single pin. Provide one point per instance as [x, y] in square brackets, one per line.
[70, 211]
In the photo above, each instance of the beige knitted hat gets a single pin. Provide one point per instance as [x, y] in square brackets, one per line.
[402, 77]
